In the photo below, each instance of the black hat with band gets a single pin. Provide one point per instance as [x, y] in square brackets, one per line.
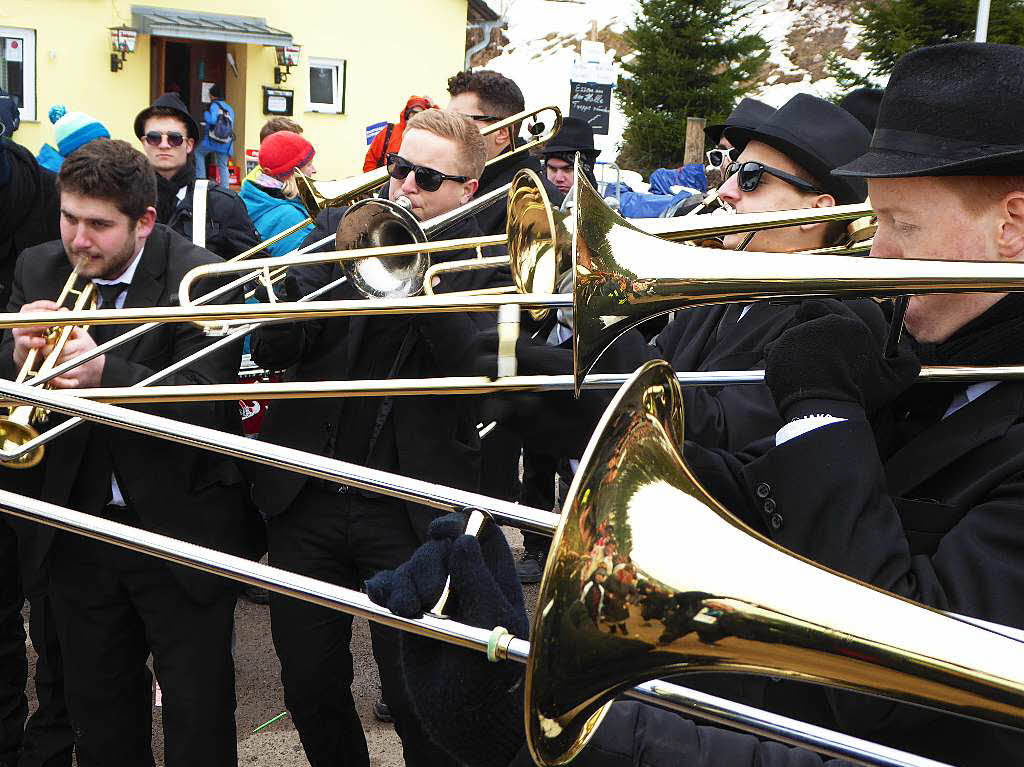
[816, 135]
[949, 110]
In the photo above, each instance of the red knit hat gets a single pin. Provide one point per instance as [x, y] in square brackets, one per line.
[283, 152]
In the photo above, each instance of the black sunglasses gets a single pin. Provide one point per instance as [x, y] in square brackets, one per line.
[155, 138]
[427, 179]
[483, 118]
[751, 173]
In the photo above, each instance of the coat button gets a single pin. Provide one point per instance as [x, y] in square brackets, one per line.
[775, 520]
[763, 490]
[769, 506]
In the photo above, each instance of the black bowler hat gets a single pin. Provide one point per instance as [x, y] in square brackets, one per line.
[816, 135]
[749, 113]
[863, 104]
[173, 102]
[949, 110]
[575, 135]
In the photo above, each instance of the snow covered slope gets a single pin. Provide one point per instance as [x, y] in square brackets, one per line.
[544, 39]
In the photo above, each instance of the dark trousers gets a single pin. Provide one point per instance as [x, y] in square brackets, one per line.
[499, 464]
[114, 608]
[539, 476]
[13, 662]
[342, 538]
[47, 740]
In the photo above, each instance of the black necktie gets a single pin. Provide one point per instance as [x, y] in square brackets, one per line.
[108, 300]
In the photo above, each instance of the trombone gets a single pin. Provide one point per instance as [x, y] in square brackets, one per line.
[19, 425]
[766, 611]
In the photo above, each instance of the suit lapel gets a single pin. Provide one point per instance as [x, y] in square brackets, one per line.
[987, 418]
[147, 286]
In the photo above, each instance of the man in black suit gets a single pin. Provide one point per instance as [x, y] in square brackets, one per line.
[341, 535]
[114, 608]
[913, 487]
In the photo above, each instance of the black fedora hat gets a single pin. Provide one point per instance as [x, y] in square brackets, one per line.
[949, 110]
[749, 113]
[575, 135]
[816, 135]
[863, 103]
[173, 102]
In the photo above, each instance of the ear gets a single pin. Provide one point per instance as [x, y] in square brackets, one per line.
[1010, 240]
[821, 201]
[144, 226]
[190, 144]
[468, 190]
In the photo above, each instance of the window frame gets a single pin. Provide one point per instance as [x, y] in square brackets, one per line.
[29, 109]
[340, 68]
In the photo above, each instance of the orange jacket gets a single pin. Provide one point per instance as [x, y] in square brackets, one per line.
[376, 154]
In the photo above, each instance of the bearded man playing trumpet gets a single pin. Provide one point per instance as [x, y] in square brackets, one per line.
[114, 608]
[343, 535]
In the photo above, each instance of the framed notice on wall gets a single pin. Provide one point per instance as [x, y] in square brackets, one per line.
[591, 102]
[278, 101]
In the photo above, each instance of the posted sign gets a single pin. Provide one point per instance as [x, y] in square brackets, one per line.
[591, 102]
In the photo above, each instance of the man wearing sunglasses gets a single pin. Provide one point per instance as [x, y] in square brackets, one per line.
[786, 165]
[749, 113]
[168, 136]
[345, 535]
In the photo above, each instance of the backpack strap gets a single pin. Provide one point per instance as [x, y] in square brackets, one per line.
[383, 159]
[199, 194]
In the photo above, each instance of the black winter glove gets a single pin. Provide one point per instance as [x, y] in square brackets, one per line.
[533, 356]
[470, 707]
[831, 354]
[289, 291]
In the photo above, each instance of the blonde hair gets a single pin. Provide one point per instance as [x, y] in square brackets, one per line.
[471, 154]
[290, 189]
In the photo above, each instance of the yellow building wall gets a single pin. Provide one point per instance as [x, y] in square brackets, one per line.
[393, 50]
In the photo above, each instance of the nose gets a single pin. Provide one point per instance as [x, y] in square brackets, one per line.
[81, 240]
[882, 245]
[729, 191]
[165, 141]
[409, 184]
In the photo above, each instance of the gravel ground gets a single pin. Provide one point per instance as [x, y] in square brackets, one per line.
[260, 697]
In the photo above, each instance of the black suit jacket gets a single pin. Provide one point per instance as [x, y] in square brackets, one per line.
[940, 521]
[436, 437]
[178, 491]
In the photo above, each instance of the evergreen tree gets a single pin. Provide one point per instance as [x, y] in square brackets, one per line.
[895, 27]
[695, 58]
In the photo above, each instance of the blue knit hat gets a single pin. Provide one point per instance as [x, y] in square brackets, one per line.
[73, 129]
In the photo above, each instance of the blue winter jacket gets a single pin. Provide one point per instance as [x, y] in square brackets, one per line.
[209, 120]
[271, 215]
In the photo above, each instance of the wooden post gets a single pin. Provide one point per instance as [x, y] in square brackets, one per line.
[593, 29]
[694, 150]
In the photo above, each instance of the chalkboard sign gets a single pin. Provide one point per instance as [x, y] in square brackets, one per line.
[591, 102]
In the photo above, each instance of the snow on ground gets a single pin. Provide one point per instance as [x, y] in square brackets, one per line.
[542, 35]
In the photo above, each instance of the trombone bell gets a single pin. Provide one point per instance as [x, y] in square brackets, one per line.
[650, 576]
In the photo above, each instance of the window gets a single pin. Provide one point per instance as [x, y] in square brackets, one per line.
[18, 68]
[327, 86]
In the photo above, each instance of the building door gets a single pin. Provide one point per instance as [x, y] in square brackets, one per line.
[183, 66]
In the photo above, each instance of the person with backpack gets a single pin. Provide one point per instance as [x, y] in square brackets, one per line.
[218, 138]
[390, 139]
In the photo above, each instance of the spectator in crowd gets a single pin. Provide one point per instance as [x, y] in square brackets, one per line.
[218, 137]
[29, 215]
[390, 139]
[10, 117]
[748, 115]
[71, 130]
[275, 124]
[168, 135]
[273, 198]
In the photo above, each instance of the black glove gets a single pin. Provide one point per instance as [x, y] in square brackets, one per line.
[831, 354]
[288, 291]
[533, 356]
[469, 706]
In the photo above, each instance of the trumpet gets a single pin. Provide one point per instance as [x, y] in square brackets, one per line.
[767, 611]
[19, 425]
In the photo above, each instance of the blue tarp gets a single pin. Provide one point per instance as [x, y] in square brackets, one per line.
[692, 175]
[647, 205]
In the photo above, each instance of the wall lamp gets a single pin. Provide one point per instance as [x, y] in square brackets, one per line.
[287, 57]
[122, 42]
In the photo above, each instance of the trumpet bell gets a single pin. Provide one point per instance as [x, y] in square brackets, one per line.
[649, 576]
[12, 436]
[376, 223]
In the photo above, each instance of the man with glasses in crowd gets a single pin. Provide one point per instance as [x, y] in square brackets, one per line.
[344, 535]
[749, 113]
[169, 134]
[785, 163]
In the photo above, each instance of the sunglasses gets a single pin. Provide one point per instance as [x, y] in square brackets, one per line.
[719, 157]
[427, 179]
[483, 118]
[155, 138]
[752, 173]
